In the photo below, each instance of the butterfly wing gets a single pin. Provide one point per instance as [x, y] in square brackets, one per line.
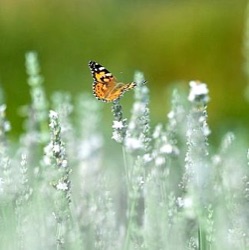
[100, 73]
[105, 86]
[121, 88]
[104, 82]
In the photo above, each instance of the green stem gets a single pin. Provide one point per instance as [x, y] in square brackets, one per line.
[127, 236]
[202, 239]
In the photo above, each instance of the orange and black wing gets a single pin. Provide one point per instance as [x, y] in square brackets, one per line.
[105, 86]
[104, 82]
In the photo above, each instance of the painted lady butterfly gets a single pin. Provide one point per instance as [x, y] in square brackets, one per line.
[105, 87]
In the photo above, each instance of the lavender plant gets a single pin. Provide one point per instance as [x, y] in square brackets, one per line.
[58, 189]
[39, 103]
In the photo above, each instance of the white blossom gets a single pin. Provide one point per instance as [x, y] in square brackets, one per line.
[7, 126]
[116, 136]
[198, 92]
[56, 148]
[157, 131]
[132, 125]
[166, 148]
[147, 157]
[159, 160]
[24, 159]
[133, 143]
[118, 125]
[171, 115]
[206, 131]
[2, 109]
[62, 186]
[64, 163]
[139, 107]
[53, 114]
[180, 202]
[1, 184]
[188, 204]
[47, 160]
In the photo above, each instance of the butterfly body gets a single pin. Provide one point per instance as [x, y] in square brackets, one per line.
[106, 87]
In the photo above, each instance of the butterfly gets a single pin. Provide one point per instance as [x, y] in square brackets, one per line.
[106, 87]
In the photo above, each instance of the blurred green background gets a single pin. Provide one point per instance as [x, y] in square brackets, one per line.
[169, 41]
